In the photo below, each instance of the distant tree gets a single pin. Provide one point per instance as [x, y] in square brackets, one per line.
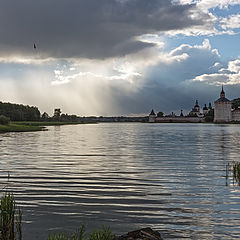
[236, 103]
[69, 118]
[4, 120]
[160, 114]
[45, 116]
[209, 117]
[18, 112]
[57, 114]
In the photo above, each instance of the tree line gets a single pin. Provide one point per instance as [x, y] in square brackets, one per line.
[19, 112]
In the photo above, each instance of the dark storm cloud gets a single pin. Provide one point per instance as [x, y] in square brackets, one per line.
[168, 86]
[86, 28]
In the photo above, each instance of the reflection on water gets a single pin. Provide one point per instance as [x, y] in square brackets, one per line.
[170, 177]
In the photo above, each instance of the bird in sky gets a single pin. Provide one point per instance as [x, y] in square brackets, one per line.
[34, 46]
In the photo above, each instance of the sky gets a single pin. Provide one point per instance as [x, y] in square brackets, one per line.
[118, 57]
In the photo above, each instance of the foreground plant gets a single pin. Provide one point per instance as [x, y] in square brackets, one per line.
[233, 170]
[101, 234]
[80, 234]
[236, 172]
[10, 219]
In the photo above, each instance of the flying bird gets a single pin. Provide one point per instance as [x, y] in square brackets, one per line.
[34, 46]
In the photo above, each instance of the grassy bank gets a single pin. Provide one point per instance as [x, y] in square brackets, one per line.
[29, 123]
[28, 126]
[12, 127]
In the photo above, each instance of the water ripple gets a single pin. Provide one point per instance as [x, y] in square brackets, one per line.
[170, 177]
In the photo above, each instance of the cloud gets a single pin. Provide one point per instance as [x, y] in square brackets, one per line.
[133, 84]
[213, 24]
[230, 22]
[87, 29]
[226, 76]
[205, 5]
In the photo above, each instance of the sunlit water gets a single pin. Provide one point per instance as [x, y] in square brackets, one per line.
[170, 177]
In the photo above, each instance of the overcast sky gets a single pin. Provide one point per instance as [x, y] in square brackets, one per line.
[118, 57]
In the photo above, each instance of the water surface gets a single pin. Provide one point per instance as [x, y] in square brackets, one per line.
[170, 177]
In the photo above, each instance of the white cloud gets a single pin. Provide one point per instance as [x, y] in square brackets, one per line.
[19, 59]
[214, 24]
[130, 68]
[205, 5]
[234, 66]
[231, 22]
[226, 76]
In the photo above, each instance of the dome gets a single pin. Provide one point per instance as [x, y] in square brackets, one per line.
[205, 107]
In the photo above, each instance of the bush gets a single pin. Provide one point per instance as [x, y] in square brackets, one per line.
[209, 117]
[4, 120]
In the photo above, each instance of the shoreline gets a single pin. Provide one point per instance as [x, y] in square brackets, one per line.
[19, 128]
[43, 124]
[29, 126]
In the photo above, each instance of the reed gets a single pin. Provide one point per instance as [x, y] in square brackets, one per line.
[10, 219]
[236, 172]
[233, 173]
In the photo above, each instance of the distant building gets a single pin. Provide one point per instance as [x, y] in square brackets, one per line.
[236, 115]
[196, 111]
[205, 109]
[181, 114]
[152, 116]
[209, 106]
[223, 112]
[222, 109]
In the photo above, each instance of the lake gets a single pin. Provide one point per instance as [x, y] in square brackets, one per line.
[170, 177]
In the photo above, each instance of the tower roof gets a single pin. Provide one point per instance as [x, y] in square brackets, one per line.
[152, 113]
[222, 97]
[222, 92]
[196, 104]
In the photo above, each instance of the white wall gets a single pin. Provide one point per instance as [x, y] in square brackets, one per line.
[223, 112]
[236, 115]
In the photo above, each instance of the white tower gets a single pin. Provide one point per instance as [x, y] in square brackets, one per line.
[223, 109]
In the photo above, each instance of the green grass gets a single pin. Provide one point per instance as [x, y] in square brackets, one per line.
[29, 126]
[12, 127]
[80, 234]
[29, 123]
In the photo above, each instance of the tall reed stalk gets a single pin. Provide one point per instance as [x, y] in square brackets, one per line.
[236, 172]
[10, 218]
[233, 170]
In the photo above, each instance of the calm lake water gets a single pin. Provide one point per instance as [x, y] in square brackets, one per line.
[170, 177]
